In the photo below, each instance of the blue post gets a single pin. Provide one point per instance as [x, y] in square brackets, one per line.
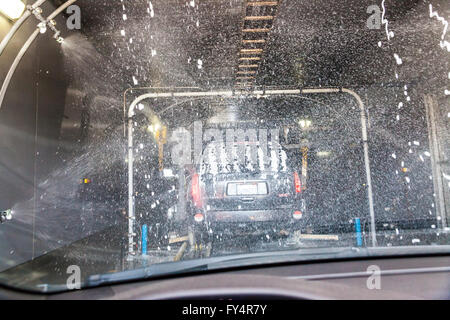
[144, 239]
[358, 232]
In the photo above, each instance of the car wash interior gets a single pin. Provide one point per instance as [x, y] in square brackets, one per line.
[98, 96]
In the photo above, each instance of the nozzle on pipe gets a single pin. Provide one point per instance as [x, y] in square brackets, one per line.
[5, 215]
[42, 27]
[44, 24]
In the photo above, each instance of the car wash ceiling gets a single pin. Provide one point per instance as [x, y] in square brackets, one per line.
[306, 43]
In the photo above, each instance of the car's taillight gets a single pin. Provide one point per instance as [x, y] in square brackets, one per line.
[199, 217]
[195, 191]
[297, 183]
[297, 215]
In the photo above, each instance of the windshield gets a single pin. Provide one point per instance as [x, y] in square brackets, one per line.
[142, 138]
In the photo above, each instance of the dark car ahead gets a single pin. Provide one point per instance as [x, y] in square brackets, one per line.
[226, 197]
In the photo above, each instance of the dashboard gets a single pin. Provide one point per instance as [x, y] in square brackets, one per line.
[426, 277]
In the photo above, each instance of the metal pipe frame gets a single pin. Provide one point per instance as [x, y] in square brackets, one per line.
[228, 93]
[25, 48]
[436, 169]
[19, 23]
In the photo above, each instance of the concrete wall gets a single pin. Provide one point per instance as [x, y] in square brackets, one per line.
[30, 122]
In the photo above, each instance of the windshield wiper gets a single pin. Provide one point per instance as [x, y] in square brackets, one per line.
[257, 259]
[151, 271]
[187, 266]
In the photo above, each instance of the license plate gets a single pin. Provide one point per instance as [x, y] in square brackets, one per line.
[247, 189]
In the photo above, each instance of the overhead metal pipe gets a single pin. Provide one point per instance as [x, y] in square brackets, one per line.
[60, 9]
[24, 49]
[18, 24]
[131, 213]
[14, 65]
